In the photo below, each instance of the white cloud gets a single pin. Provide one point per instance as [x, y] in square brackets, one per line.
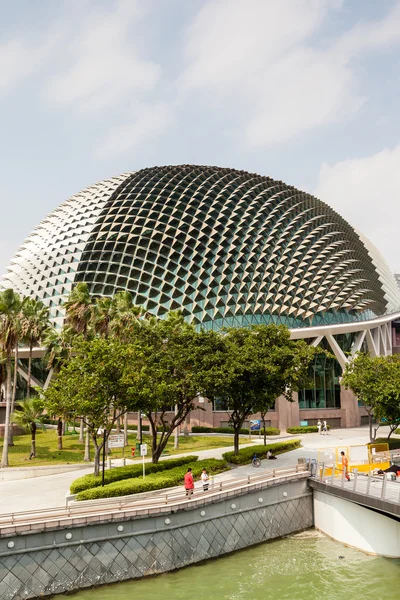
[366, 192]
[149, 121]
[21, 58]
[258, 58]
[104, 65]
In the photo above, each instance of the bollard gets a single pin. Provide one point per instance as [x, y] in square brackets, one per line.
[109, 462]
[355, 471]
[384, 483]
[368, 483]
[248, 479]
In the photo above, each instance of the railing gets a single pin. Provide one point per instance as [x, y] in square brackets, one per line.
[147, 503]
[367, 484]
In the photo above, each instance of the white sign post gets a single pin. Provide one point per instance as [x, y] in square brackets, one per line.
[143, 453]
[116, 440]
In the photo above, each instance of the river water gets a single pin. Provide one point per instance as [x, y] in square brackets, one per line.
[306, 566]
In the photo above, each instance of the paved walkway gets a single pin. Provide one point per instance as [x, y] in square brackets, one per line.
[50, 491]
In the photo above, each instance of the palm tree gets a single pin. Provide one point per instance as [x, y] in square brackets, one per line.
[79, 310]
[34, 325]
[102, 316]
[58, 347]
[9, 310]
[124, 316]
[28, 415]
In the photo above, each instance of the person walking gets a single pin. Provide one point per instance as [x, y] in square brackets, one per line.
[325, 427]
[205, 480]
[189, 483]
[345, 465]
[319, 425]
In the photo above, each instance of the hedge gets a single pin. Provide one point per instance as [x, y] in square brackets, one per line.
[120, 473]
[245, 455]
[201, 429]
[154, 481]
[308, 429]
[394, 444]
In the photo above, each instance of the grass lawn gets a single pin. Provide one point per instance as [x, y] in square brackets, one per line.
[48, 454]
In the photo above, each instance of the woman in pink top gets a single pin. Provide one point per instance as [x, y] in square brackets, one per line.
[189, 482]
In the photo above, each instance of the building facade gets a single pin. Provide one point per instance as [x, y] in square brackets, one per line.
[228, 248]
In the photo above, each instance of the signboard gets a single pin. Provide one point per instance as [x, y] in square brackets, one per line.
[143, 449]
[255, 425]
[303, 423]
[116, 441]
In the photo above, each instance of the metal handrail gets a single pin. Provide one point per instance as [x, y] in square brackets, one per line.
[360, 482]
[92, 508]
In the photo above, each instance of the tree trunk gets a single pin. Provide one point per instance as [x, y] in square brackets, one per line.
[119, 424]
[86, 458]
[33, 442]
[371, 437]
[176, 431]
[236, 440]
[28, 391]
[81, 431]
[59, 434]
[139, 427]
[97, 454]
[265, 433]
[126, 428]
[14, 394]
[186, 427]
[4, 456]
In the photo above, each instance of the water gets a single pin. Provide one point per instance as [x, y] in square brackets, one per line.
[303, 567]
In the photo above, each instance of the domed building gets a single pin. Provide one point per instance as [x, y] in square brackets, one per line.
[227, 247]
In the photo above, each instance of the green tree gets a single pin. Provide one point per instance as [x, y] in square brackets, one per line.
[376, 383]
[360, 376]
[251, 367]
[29, 415]
[34, 326]
[91, 386]
[166, 373]
[58, 344]
[10, 305]
[79, 310]
[125, 316]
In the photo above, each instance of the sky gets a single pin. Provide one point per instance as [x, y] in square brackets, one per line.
[305, 91]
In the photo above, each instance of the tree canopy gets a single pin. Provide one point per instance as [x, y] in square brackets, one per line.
[251, 367]
[376, 383]
[91, 386]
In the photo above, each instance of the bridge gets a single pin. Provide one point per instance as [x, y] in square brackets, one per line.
[363, 512]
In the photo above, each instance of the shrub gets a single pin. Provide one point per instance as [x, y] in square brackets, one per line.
[154, 481]
[246, 454]
[393, 443]
[397, 431]
[308, 429]
[201, 429]
[129, 472]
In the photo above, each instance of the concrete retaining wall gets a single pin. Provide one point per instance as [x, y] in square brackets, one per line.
[51, 562]
[356, 526]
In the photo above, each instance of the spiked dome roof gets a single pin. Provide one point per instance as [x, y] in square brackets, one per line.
[227, 247]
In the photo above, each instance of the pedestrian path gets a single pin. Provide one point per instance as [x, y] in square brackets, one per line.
[50, 491]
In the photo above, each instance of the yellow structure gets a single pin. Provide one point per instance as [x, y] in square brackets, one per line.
[363, 458]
